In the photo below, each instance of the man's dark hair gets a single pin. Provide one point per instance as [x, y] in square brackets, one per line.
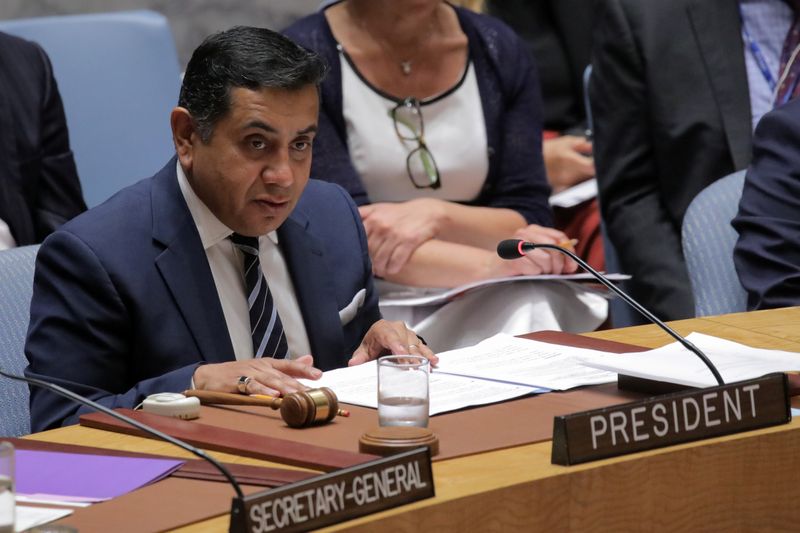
[253, 58]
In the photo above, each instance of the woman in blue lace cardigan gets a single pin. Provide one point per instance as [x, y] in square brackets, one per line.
[431, 120]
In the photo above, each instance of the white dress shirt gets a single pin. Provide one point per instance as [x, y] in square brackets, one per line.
[226, 263]
[6, 239]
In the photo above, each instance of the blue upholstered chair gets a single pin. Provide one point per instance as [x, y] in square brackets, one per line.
[119, 78]
[708, 241]
[16, 286]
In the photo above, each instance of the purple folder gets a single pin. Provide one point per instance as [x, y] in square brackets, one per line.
[88, 478]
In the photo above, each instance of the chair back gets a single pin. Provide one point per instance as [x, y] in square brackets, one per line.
[16, 287]
[708, 242]
[119, 78]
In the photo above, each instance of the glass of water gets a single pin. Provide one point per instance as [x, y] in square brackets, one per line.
[403, 390]
[6, 487]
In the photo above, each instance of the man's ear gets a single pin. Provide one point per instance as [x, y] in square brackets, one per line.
[184, 135]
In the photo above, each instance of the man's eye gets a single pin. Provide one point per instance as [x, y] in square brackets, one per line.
[258, 144]
[302, 146]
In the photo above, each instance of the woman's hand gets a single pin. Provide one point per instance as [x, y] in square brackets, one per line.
[396, 230]
[568, 161]
[540, 261]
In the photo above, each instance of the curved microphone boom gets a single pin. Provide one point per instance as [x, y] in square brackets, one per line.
[61, 391]
[515, 248]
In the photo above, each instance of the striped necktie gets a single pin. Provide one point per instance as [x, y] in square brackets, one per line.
[265, 324]
[789, 69]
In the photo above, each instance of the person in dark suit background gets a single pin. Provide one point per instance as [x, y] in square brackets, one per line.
[161, 287]
[767, 254]
[39, 187]
[675, 95]
[558, 34]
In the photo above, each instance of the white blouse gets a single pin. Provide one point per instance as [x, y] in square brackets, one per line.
[455, 133]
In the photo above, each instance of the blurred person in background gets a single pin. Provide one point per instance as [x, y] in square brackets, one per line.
[677, 89]
[767, 254]
[39, 186]
[431, 119]
[558, 36]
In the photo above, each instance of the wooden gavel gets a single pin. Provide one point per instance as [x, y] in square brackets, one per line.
[298, 409]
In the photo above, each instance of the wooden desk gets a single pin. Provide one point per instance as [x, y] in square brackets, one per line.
[739, 482]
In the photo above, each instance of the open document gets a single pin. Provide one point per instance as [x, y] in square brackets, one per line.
[497, 369]
[673, 363]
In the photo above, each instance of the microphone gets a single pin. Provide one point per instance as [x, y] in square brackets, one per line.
[516, 248]
[61, 391]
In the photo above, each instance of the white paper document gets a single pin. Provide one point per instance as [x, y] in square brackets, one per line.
[358, 385]
[413, 296]
[524, 362]
[21, 498]
[572, 196]
[497, 369]
[675, 364]
[28, 517]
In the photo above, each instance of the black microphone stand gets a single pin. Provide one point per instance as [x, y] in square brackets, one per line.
[504, 250]
[61, 391]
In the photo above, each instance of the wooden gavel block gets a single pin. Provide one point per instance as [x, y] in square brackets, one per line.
[298, 409]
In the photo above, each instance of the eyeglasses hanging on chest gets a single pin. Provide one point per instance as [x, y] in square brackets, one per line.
[409, 126]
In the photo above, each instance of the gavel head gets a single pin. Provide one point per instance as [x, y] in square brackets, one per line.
[309, 407]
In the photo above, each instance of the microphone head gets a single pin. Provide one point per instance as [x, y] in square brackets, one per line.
[510, 249]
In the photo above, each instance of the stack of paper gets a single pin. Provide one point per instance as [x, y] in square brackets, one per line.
[675, 364]
[497, 369]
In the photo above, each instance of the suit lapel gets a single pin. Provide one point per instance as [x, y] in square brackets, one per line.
[313, 282]
[717, 29]
[184, 268]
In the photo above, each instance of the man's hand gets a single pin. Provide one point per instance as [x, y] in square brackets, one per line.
[540, 261]
[395, 231]
[268, 376]
[568, 161]
[385, 338]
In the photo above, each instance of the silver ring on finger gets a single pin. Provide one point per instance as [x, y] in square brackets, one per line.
[242, 382]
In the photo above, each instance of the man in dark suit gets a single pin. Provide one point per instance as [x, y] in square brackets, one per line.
[672, 108]
[39, 187]
[161, 287]
[767, 254]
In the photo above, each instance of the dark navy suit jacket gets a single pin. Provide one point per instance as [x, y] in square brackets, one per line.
[767, 254]
[125, 305]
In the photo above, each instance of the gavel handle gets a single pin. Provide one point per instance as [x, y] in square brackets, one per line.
[226, 398]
